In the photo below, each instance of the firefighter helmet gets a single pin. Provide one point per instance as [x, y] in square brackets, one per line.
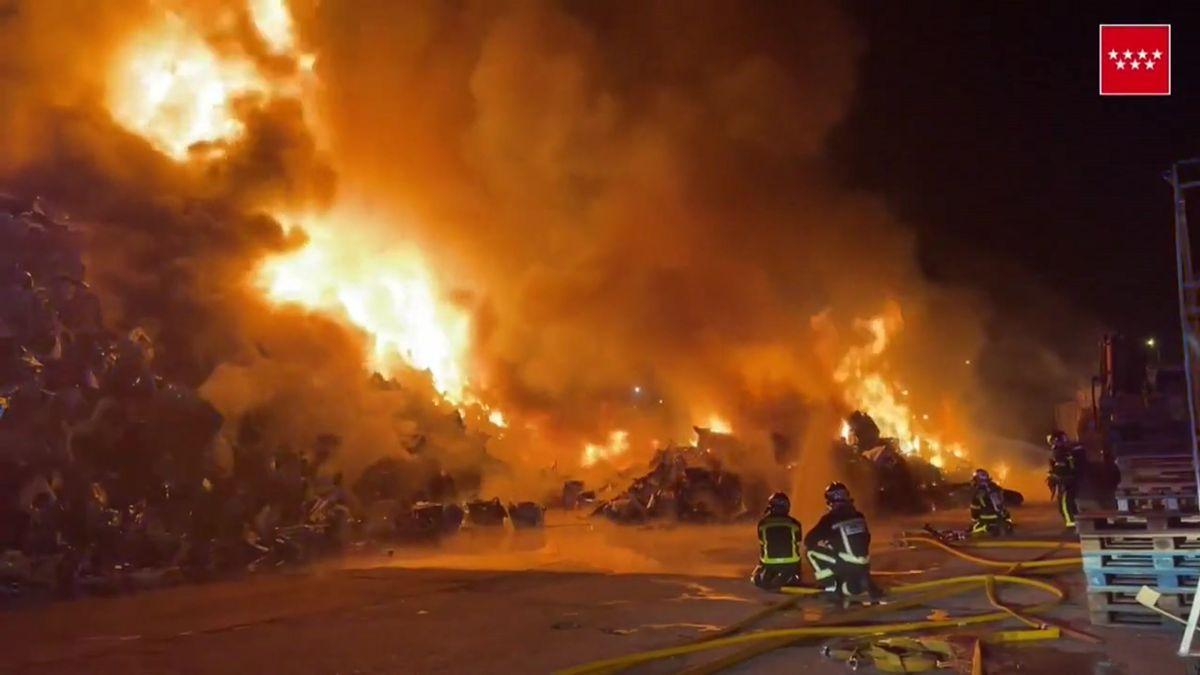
[981, 477]
[1057, 438]
[779, 504]
[837, 493]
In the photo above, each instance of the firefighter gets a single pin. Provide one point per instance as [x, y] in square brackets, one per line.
[989, 517]
[839, 548]
[779, 545]
[1066, 460]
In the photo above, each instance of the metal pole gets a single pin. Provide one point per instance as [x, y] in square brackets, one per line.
[1183, 265]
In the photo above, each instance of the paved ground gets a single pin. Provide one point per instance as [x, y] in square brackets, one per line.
[529, 605]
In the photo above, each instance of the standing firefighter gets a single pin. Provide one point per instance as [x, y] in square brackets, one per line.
[839, 548]
[1066, 459]
[989, 517]
[779, 545]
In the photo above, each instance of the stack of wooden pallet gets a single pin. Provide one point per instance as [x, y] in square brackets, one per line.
[1152, 540]
[1157, 483]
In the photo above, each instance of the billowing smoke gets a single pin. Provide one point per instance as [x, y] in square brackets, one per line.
[631, 201]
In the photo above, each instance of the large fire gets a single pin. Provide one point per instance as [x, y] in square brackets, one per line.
[178, 92]
[862, 374]
[181, 93]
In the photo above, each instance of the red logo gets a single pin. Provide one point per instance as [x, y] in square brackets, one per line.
[1135, 60]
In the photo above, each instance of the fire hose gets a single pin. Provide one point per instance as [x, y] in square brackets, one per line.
[768, 640]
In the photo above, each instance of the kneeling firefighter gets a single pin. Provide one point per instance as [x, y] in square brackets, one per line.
[989, 516]
[779, 545]
[839, 547]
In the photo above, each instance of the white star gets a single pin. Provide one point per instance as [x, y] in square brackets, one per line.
[1136, 64]
[1149, 65]
[1142, 54]
[1157, 54]
[1128, 54]
[1112, 56]
[1120, 65]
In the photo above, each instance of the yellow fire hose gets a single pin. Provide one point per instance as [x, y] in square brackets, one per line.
[1021, 544]
[989, 562]
[781, 637]
[851, 616]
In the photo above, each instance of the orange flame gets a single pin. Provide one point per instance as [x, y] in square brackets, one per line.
[497, 418]
[617, 445]
[718, 424]
[273, 21]
[387, 292]
[861, 372]
[174, 90]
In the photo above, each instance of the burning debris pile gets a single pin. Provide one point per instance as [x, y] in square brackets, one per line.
[695, 483]
[109, 473]
[902, 482]
[686, 483]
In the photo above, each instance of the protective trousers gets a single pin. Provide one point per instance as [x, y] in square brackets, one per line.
[840, 572]
[1065, 502]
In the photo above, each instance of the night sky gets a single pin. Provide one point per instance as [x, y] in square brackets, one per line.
[980, 123]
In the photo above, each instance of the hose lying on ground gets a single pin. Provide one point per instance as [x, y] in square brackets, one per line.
[990, 562]
[852, 616]
[781, 637]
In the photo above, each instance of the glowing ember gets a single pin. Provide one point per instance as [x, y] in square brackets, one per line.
[618, 443]
[386, 292]
[171, 88]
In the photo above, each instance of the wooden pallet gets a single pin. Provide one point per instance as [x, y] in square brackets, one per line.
[1127, 599]
[1117, 618]
[1141, 499]
[1155, 447]
[1157, 481]
[1165, 581]
[1135, 461]
[1156, 464]
[1116, 522]
[1119, 561]
[1160, 476]
[1179, 540]
[1120, 608]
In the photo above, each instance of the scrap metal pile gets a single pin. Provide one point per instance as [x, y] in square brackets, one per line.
[685, 483]
[694, 484]
[902, 483]
[108, 471]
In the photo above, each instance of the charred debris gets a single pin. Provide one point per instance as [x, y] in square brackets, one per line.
[694, 483]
